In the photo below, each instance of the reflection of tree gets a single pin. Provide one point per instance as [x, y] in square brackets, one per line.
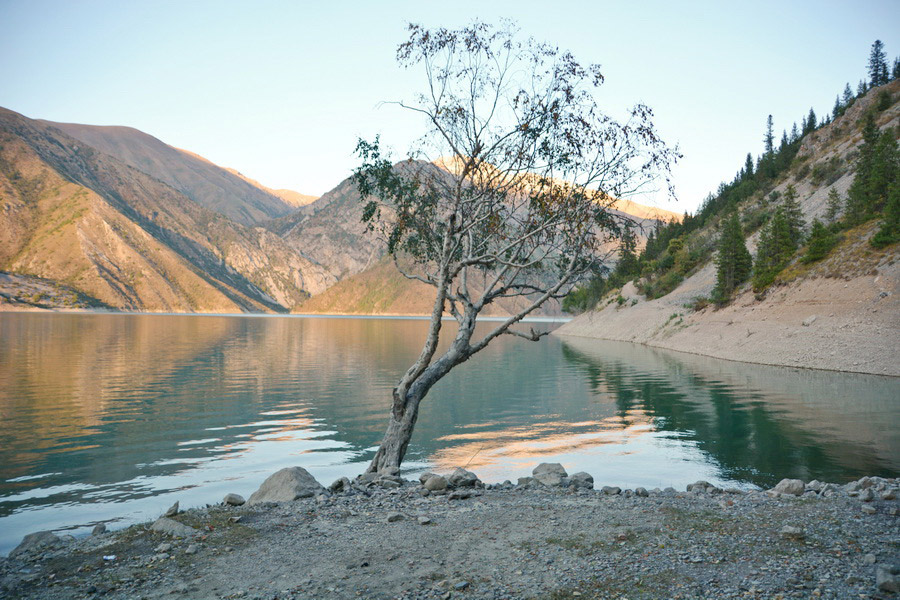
[746, 438]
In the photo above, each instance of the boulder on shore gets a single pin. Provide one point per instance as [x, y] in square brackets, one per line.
[33, 541]
[581, 480]
[462, 478]
[550, 474]
[285, 485]
[791, 487]
[172, 527]
[233, 499]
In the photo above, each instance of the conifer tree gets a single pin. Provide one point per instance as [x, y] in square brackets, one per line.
[838, 108]
[793, 215]
[774, 252]
[810, 124]
[889, 232]
[769, 139]
[821, 241]
[795, 133]
[833, 206]
[847, 99]
[876, 171]
[748, 166]
[878, 69]
[861, 89]
[733, 262]
[895, 72]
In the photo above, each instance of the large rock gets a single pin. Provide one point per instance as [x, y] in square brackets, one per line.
[886, 578]
[34, 541]
[462, 478]
[791, 487]
[233, 500]
[581, 480]
[551, 474]
[435, 483]
[172, 527]
[285, 485]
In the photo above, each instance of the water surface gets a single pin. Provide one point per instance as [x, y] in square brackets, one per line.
[111, 418]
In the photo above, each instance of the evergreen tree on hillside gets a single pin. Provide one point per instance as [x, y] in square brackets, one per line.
[810, 124]
[834, 205]
[861, 89]
[847, 98]
[876, 171]
[889, 233]
[895, 72]
[733, 262]
[878, 69]
[748, 166]
[795, 133]
[769, 138]
[821, 241]
[793, 215]
[838, 109]
[774, 252]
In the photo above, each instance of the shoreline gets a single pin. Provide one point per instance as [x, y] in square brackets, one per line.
[551, 535]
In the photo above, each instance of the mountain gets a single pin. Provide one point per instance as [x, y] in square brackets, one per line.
[331, 230]
[294, 199]
[207, 184]
[83, 218]
[840, 313]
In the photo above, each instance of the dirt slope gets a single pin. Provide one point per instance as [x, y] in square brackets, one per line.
[850, 303]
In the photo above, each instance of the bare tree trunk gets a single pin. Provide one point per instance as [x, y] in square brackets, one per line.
[399, 431]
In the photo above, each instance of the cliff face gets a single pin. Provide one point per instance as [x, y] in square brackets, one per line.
[73, 214]
[841, 314]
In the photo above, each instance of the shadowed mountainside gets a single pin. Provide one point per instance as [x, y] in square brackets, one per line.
[73, 214]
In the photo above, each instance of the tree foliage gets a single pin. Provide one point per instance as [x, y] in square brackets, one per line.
[878, 68]
[733, 261]
[508, 193]
[821, 241]
[774, 251]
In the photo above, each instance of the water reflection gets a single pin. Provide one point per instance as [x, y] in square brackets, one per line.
[113, 417]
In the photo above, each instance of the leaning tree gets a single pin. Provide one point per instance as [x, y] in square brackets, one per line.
[509, 194]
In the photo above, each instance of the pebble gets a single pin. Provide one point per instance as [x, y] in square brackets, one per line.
[394, 517]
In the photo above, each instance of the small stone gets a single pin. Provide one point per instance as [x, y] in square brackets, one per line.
[867, 495]
[191, 549]
[790, 532]
[461, 494]
[525, 481]
[99, 529]
[869, 509]
[236, 519]
[809, 320]
[869, 559]
[435, 483]
[460, 585]
[424, 521]
[642, 492]
[890, 494]
[698, 486]
[164, 547]
[791, 487]
[172, 527]
[394, 517]
[611, 490]
[233, 500]
[886, 578]
[173, 510]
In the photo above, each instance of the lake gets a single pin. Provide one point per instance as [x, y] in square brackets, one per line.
[112, 418]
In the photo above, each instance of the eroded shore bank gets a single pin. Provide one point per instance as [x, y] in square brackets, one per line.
[548, 536]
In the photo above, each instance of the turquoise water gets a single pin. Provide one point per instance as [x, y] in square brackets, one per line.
[111, 418]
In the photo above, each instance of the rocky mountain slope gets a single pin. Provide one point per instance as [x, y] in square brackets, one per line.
[211, 186]
[331, 230]
[75, 215]
[125, 221]
[842, 313]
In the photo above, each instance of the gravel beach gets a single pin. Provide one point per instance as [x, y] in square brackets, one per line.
[548, 536]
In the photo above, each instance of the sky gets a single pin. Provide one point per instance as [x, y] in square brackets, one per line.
[282, 91]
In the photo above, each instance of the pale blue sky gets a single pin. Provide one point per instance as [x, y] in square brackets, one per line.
[282, 90]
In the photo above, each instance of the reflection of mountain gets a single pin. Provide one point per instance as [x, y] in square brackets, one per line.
[758, 423]
[102, 408]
